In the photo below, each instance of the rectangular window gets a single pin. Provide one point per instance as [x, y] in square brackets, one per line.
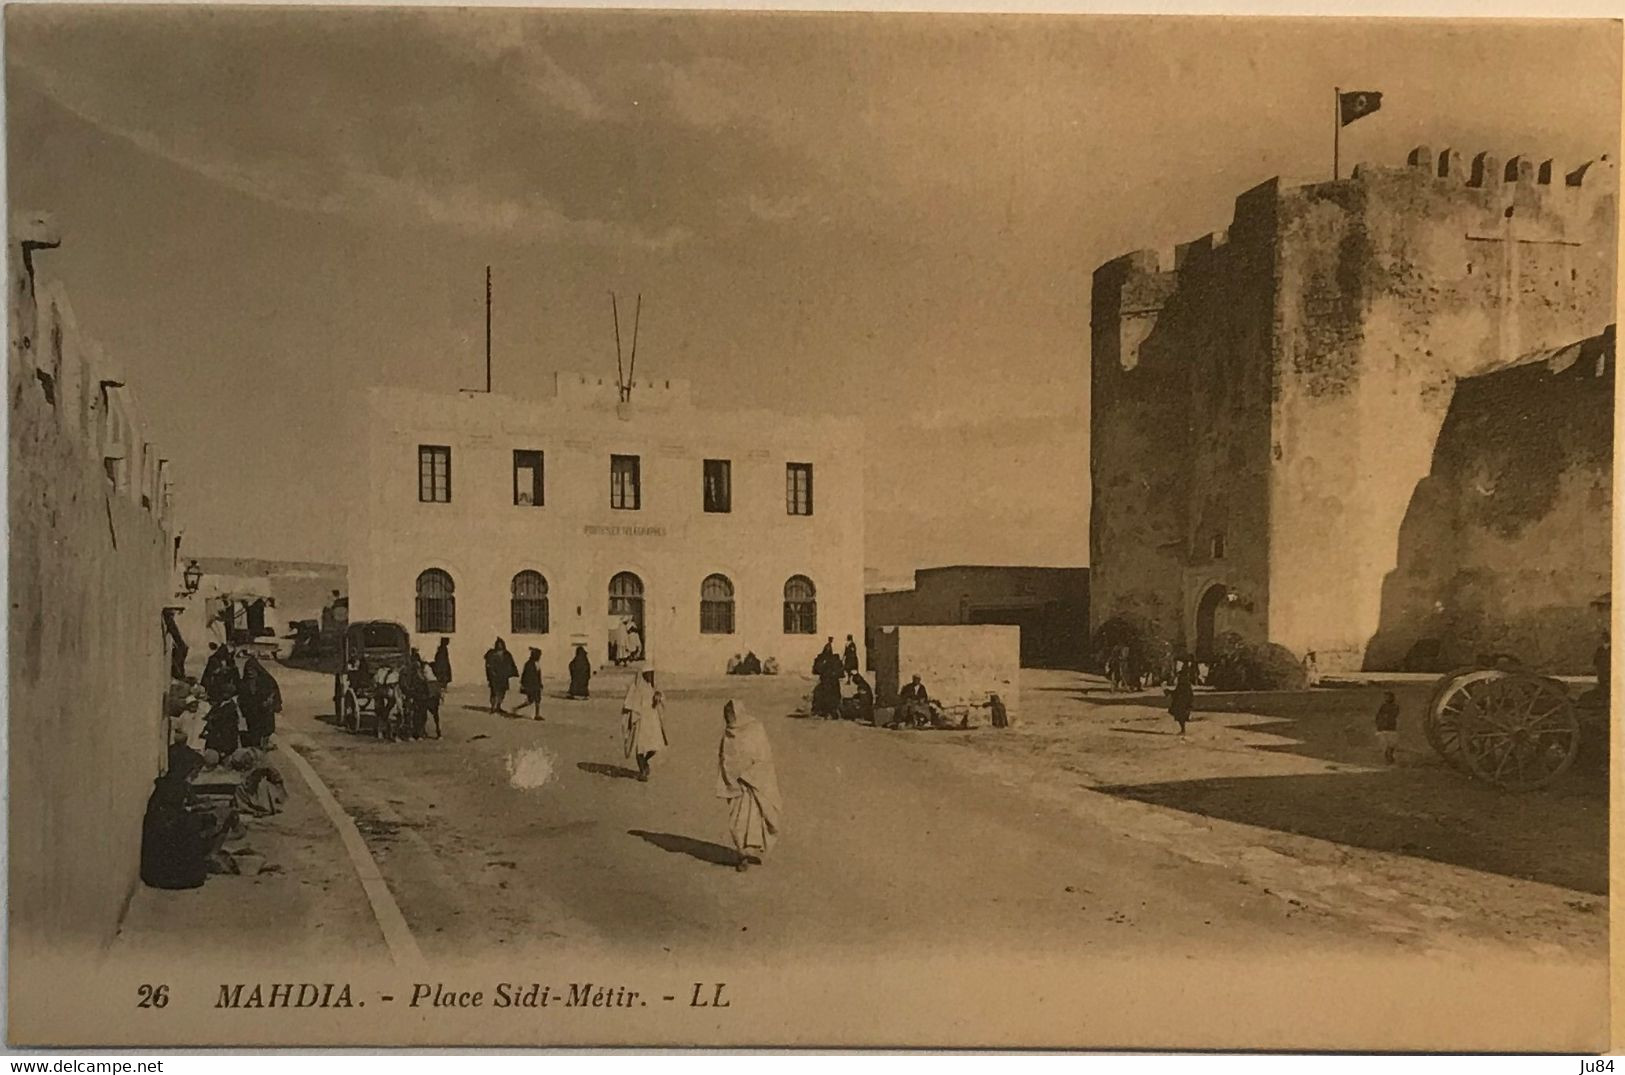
[527, 478]
[625, 488]
[718, 486]
[434, 474]
[798, 493]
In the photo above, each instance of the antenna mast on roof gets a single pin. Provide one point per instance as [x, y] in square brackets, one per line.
[487, 334]
[625, 371]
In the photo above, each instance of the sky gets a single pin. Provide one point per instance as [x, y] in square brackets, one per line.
[890, 215]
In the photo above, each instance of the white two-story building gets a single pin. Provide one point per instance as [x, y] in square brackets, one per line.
[546, 521]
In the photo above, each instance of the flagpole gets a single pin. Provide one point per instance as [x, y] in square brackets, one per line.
[1337, 130]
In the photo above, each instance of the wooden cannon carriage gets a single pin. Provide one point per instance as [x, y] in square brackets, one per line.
[1512, 727]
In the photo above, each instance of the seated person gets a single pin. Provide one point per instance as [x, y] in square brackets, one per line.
[179, 835]
[914, 705]
[857, 699]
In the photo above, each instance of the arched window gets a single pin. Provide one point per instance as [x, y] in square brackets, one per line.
[436, 607]
[716, 606]
[800, 606]
[529, 608]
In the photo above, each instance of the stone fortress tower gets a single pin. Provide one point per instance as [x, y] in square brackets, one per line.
[1267, 407]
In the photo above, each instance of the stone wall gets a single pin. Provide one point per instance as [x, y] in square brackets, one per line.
[1507, 541]
[1050, 605]
[91, 561]
[959, 665]
[1264, 411]
[1394, 284]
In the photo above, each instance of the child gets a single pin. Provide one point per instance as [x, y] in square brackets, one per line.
[530, 683]
[1388, 726]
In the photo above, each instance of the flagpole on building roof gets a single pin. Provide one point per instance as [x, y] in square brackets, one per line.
[1337, 129]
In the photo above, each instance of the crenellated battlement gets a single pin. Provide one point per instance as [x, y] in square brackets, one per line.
[1573, 194]
[1488, 170]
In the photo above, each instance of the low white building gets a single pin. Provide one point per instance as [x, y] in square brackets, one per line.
[545, 521]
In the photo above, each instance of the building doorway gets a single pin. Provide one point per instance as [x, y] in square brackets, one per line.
[628, 639]
[1207, 617]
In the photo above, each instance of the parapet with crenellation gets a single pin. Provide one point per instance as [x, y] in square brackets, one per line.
[1576, 202]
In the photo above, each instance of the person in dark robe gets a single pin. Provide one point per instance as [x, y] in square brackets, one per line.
[1184, 694]
[261, 699]
[849, 657]
[219, 674]
[499, 671]
[826, 696]
[859, 705]
[1602, 663]
[580, 673]
[177, 838]
[1388, 726]
[220, 726]
[442, 662]
[999, 714]
[530, 683]
[178, 648]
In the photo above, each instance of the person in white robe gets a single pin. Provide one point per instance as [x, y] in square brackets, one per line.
[642, 721]
[746, 778]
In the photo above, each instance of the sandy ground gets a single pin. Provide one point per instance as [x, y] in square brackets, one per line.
[1088, 826]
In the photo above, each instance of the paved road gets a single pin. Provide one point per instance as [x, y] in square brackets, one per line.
[885, 844]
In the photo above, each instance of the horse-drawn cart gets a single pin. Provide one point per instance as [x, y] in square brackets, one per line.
[1511, 727]
[367, 690]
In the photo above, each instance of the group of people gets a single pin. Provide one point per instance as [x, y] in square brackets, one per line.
[625, 641]
[746, 777]
[243, 702]
[841, 691]
[500, 671]
[184, 834]
[1127, 671]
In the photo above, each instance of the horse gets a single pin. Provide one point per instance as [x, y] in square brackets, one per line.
[388, 706]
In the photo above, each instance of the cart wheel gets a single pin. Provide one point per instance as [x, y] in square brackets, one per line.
[1519, 731]
[350, 714]
[1442, 721]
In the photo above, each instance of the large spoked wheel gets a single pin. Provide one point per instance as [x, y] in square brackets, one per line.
[1442, 722]
[350, 713]
[1515, 730]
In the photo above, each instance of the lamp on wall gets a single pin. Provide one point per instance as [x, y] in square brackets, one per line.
[1234, 599]
[192, 577]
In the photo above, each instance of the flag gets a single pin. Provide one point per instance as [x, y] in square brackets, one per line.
[1357, 104]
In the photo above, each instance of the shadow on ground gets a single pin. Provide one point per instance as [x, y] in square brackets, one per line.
[1558, 836]
[600, 769]
[703, 850]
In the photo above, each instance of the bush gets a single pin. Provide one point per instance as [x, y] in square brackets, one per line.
[1149, 651]
[1252, 666]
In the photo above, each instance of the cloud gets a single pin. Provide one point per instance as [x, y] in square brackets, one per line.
[347, 184]
[467, 208]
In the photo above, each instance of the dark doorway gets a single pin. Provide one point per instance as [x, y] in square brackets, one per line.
[1207, 614]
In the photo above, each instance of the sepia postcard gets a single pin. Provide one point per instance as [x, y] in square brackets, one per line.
[1105, 540]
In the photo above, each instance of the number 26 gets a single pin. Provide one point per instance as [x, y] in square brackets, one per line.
[152, 996]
